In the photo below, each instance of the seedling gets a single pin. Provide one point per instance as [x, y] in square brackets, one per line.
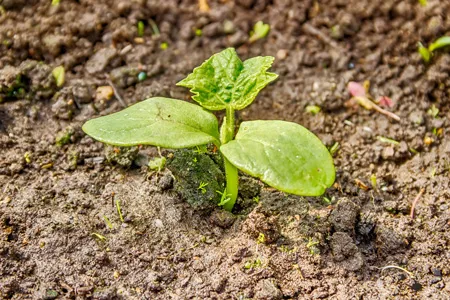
[427, 53]
[313, 109]
[202, 186]
[59, 75]
[140, 29]
[360, 94]
[282, 154]
[119, 211]
[260, 30]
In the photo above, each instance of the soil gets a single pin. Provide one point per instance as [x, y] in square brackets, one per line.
[61, 234]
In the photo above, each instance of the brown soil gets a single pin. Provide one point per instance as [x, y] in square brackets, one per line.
[54, 197]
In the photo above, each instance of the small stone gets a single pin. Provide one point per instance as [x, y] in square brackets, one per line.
[416, 286]
[222, 218]
[345, 252]
[100, 60]
[166, 182]
[388, 153]
[267, 289]
[104, 93]
[436, 272]
[343, 217]
[282, 54]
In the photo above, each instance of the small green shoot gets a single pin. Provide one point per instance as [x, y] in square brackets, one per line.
[201, 149]
[55, 2]
[256, 199]
[140, 29]
[260, 31]
[157, 164]
[99, 236]
[327, 201]
[311, 245]
[108, 222]
[439, 43]
[59, 75]
[373, 181]
[198, 32]
[224, 197]
[27, 157]
[202, 186]
[334, 148]
[261, 238]
[423, 2]
[424, 52]
[277, 152]
[387, 140]
[427, 53]
[313, 109]
[119, 211]
[164, 46]
[433, 111]
[253, 264]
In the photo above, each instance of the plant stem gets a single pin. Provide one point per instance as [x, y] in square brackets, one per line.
[231, 174]
[231, 171]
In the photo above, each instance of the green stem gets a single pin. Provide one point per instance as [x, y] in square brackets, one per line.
[231, 171]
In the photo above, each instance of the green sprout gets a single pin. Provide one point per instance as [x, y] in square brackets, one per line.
[164, 46]
[157, 163]
[433, 111]
[99, 236]
[260, 31]
[119, 211]
[334, 148]
[312, 109]
[58, 74]
[224, 197]
[108, 222]
[427, 53]
[282, 154]
[55, 2]
[261, 238]
[423, 2]
[140, 29]
[253, 264]
[198, 32]
[202, 186]
[387, 140]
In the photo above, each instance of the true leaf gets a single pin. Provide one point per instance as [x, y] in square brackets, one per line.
[260, 30]
[158, 121]
[440, 43]
[284, 155]
[225, 81]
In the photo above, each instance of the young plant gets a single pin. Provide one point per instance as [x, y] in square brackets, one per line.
[427, 53]
[282, 154]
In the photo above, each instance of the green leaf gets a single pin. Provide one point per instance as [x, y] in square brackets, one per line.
[158, 121]
[424, 52]
[440, 43]
[59, 75]
[260, 31]
[225, 81]
[284, 155]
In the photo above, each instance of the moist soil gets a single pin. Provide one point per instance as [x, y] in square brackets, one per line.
[61, 234]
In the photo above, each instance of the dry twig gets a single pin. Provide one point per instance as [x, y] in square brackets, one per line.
[413, 206]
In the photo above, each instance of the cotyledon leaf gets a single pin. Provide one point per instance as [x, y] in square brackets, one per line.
[284, 155]
[158, 121]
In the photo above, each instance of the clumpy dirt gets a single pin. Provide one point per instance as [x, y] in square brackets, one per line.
[61, 234]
